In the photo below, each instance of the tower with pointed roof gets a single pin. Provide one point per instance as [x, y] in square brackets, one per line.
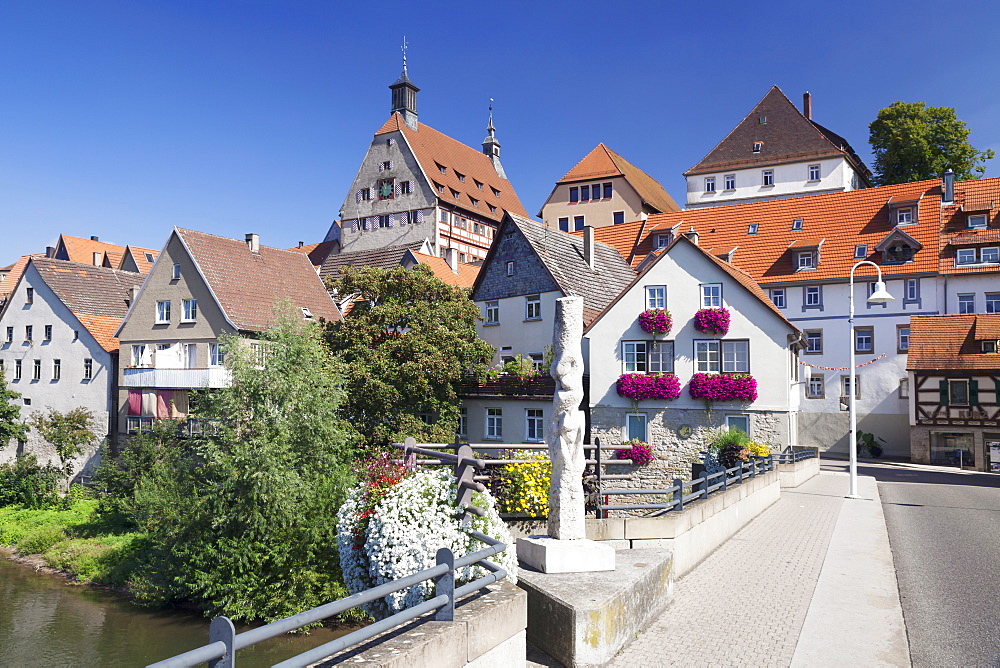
[776, 151]
[416, 183]
[604, 189]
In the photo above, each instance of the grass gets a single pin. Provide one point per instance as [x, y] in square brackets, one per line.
[74, 540]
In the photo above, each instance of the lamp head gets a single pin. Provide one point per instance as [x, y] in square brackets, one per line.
[881, 295]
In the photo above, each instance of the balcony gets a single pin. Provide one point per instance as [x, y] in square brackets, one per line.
[177, 379]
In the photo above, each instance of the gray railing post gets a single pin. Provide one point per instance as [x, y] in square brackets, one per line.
[704, 485]
[678, 494]
[222, 629]
[409, 458]
[463, 474]
[600, 485]
[725, 480]
[445, 586]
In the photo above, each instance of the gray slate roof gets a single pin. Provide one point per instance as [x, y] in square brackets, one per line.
[86, 289]
[382, 258]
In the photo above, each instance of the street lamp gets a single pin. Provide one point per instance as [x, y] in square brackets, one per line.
[879, 296]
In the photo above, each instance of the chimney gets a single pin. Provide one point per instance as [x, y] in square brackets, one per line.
[807, 105]
[949, 187]
[692, 235]
[94, 238]
[50, 251]
[451, 257]
[133, 292]
[97, 258]
[253, 242]
[301, 244]
[588, 245]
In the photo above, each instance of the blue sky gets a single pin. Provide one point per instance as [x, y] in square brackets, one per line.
[122, 119]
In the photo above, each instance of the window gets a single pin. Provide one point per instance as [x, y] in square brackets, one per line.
[162, 312]
[798, 224]
[533, 432]
[634, 356]
[966, 304]
[741, 422]
[904, 388]
[564, 224]
[757, 146]
[48, 332]
[814, 341]
[814, 172]
[365, 194]
[778, 297]
[584, 193]
[990, 255]
[191, 310]
[735, 356]
[492, 313]
[965, 256]
[661, 357]
[900, 253]
[706, 356]
[88, 369]
[815, 388]
[405, 188]
[574, 194]
[752, 228]
[861, 250]
[533, 307]
[648, 356]
[864, 339]
[216, 355]
[537, 361]
[618, 217]
[711, 295]
[958, 392]
[977, 220]
[912, 290]
[17, 369]
[902, 338]
[10, 335]
[383, 221]
[730, 181]
[661, 241]
[989, 346]
[494, 423]
[845, 383]
[138, 355]
[806, 260]
[767, 177]
[812, 296]
[441, 168]
[635, 426]
[36, 373]
[656, 296]
[29, 296]
[710, 184]
[56, 369]
[578, 223]
[461, 177]
[904, 216]
[607, 191]
[29, 333]
[993, 302]
[176, 272]
[510, 267]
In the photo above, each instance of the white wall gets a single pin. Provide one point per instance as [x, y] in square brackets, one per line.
[518, 335]
[789, 179]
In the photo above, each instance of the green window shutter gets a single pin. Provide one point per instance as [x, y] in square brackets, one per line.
[943, 385]
[973, 392]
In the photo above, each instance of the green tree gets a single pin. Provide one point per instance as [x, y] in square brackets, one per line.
[67, 432]
[407, 344]
[242, 520]
[11, 426]
[913, 142]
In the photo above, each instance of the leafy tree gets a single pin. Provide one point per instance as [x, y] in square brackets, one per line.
[25, 482]
[11, 426]
[67, 432]
[913, 142]
[242, 520]
[407, 344]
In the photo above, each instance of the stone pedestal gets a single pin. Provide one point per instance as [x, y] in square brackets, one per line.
[551, 555]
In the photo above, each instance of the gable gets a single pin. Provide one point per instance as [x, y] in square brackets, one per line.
[530, 274]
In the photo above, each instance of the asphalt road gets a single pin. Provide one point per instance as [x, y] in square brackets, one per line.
[944, 530]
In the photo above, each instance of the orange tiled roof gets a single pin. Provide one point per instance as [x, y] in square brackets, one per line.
[843, 220]
[316, 252]
[465, 277]
[976, 196]
[16, 269]
[602, 162]
[433, 148]
[141, 261]
[102, 328]
[81, 250]
[952, 341]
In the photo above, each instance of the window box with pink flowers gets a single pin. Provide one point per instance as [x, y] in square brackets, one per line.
[723, 387]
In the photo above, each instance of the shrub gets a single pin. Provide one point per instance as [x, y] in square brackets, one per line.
[656, 321]
[24, 482]
[415, 518]
[731, 446]
[524, 488]
[758, 449]
[640, 453]
[723, 387]
[39, 540]
[713, 321]
[639, 386]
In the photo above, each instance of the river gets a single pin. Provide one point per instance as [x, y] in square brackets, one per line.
[46, 622]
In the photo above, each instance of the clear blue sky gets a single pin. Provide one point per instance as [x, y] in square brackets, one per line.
[122, 119]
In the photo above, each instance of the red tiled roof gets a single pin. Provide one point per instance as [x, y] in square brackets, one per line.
[602, 162]
[16, 269]
[248, 285]
[82, 250]
[971, 197]
[842, 219]
[465, 277]
[952, 341]
[433, 148]
[140, 259]
[316, 252]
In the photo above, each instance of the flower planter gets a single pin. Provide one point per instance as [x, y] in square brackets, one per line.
[723, 387]
[714, 321]
[656, 321]
[639, 386]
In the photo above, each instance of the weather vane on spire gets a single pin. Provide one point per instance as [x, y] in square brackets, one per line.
[403, 49]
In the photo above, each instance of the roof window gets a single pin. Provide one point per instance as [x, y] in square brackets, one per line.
[762, 120]
[461, 177]
[797, 224]
[861, 250]
[757, 146]
[479, 184]
[493, 209]
[306, 313]
[455, 193]
[496, 193]
[441, 168]
[752, 228]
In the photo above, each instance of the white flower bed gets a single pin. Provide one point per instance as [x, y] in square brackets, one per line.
[415, 519]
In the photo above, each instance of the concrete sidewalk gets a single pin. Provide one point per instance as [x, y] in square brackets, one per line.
[810, 582]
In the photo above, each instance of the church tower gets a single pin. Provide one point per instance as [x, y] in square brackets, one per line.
[491, 147]
[404, 97]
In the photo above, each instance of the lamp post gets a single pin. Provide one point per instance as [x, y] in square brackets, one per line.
[879, 296]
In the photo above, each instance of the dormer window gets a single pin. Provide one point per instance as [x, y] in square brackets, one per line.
[965, 256]
[710, 184]
[861, 250]
[661, 241]
[479, 184]
[898, 247]
[806, 260]
[496, 193]
[441, 168]
[757, 146]
[989, 346]
[904, 216]
[898, 254]
[461, 177]
[797, 224]
[978, 220]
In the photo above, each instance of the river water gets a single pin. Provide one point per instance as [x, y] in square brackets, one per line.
[46, 622]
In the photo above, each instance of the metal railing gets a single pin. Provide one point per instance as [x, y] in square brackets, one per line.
[792, 456]
[701, 487]
[223, 641]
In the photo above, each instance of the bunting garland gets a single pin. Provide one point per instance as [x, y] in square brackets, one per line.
[840, 368]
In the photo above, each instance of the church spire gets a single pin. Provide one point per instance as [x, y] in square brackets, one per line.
[491, 147]
[404, 95]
